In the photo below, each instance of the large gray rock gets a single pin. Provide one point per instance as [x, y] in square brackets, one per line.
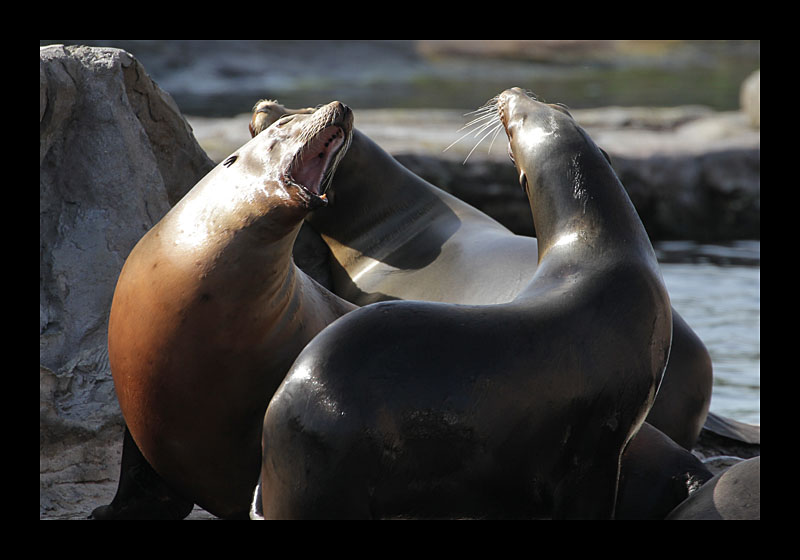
[114, 154]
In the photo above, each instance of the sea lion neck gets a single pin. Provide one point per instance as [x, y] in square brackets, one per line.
[210, 311]
[246, 213]
[214, 249]
[371, 198]
[574, 194]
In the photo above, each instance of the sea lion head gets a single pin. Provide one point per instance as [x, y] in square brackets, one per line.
[532, 128]
[572, 188]
[269, 185]
[287, 167]
[267, 111]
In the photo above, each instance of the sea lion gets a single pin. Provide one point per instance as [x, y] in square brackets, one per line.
[209, 311]
[267, 111]
[656, 475]
[518, 409]
[393, 235]
[684, 397]
[732, 494]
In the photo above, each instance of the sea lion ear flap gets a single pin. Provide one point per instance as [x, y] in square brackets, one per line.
[608, 158]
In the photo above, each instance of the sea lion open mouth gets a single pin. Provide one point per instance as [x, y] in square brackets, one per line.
[316, 161]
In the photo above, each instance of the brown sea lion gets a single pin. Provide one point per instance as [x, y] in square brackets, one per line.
[518, 409]
[393, 235]
[209, 311]
[267, 111]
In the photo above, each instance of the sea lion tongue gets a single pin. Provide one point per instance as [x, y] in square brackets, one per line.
[316, 157]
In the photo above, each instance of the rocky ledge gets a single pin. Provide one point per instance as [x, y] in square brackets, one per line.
[692, 173]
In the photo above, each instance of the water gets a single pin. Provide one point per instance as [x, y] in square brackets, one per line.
[225, 78]
[722, 303]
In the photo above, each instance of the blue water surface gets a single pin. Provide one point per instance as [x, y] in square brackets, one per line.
[718, 291]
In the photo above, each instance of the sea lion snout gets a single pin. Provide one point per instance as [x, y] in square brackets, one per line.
[513, 105]
[337, 113]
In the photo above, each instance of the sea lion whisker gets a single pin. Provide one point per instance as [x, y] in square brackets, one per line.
[478, 124]
[478, 128]
[474, 122]
[491, 130]
[459, 139]
[488, 124]
[491, 104]
[487, 119]
[488, 107]
[483, 115]
[482, 109]
[485, 112]
[496, 130]
[475, 131]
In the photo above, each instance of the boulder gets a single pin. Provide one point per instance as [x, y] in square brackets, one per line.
[692, 173]
[750, 98]
[114, 154]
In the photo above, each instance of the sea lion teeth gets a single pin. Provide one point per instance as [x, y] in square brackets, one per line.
[309, 172]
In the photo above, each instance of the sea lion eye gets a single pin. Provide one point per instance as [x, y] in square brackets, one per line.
[283, 120]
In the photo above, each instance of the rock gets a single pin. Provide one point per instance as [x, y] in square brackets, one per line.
[724, 442]
[750, 98]
[114, 154]
[701, 181]
[692, 172]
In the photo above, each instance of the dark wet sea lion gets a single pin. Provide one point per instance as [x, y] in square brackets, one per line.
[519, 409]
[657, 474]
[393, 235]
[209, 310]
[683, 399]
